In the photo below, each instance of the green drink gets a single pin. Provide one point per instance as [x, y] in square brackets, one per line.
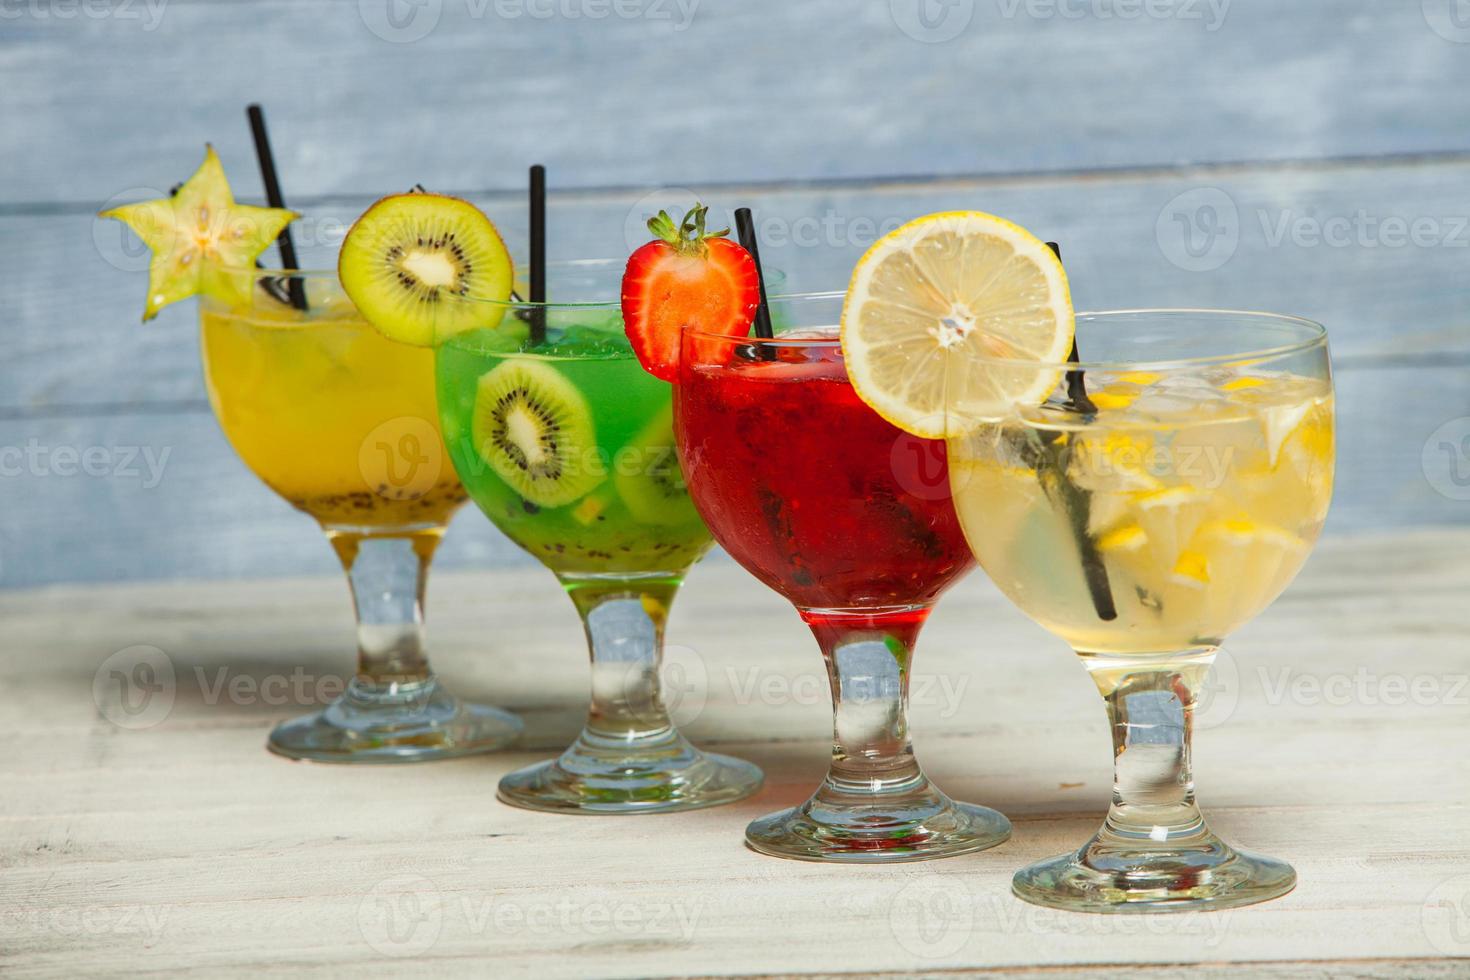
[567, 445]
[618, 505]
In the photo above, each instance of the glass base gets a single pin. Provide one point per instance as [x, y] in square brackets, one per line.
[878, 833]
[603, 776]
[1206, 874]
[416, 723]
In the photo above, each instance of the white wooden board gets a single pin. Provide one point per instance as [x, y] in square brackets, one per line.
[1333, 737]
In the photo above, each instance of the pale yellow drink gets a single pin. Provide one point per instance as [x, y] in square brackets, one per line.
[1200, 497]
[336, 418]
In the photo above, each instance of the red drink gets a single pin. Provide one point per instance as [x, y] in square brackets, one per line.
[810, 489]
[850, 519]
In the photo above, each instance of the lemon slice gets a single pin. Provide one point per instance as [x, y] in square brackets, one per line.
[935, 303]
[1154, 537]
[1249, 564]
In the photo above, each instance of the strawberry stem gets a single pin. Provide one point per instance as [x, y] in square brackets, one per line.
[687, 237]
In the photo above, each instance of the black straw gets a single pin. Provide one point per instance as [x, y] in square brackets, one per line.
[296, 288]
[1076, 380]
[1078, 502]
[538, 254]
[745, 228]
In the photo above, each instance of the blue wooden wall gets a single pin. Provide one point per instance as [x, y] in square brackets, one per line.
[1308, 156]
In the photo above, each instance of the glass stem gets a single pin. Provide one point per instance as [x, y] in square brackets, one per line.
[1151, 710]
[868, 656]
[624, 622]
[388, 576]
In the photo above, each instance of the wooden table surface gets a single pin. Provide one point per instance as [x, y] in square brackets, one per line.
[156, 833]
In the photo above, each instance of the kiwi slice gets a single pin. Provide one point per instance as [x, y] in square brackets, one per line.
[648, 477]
[415, 265]
[535, 430]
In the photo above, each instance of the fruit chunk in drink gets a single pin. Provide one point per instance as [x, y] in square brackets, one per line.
[568, 448]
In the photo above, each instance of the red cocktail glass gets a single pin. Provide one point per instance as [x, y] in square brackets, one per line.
[851, 520]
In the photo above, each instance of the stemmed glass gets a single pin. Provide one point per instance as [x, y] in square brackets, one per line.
[566, 444]
[1169, 489]
[825, 502]
[341, 422]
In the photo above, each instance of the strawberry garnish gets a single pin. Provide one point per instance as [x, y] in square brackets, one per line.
[686, 277]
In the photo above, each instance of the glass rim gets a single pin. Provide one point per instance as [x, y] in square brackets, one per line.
[599, 265]
[1317, 337]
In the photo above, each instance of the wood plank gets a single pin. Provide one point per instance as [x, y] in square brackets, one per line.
[206, 515]
[773, 90]
[184, 844]
[76, 341]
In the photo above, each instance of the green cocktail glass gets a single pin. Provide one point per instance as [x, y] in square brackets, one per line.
[567, 445]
